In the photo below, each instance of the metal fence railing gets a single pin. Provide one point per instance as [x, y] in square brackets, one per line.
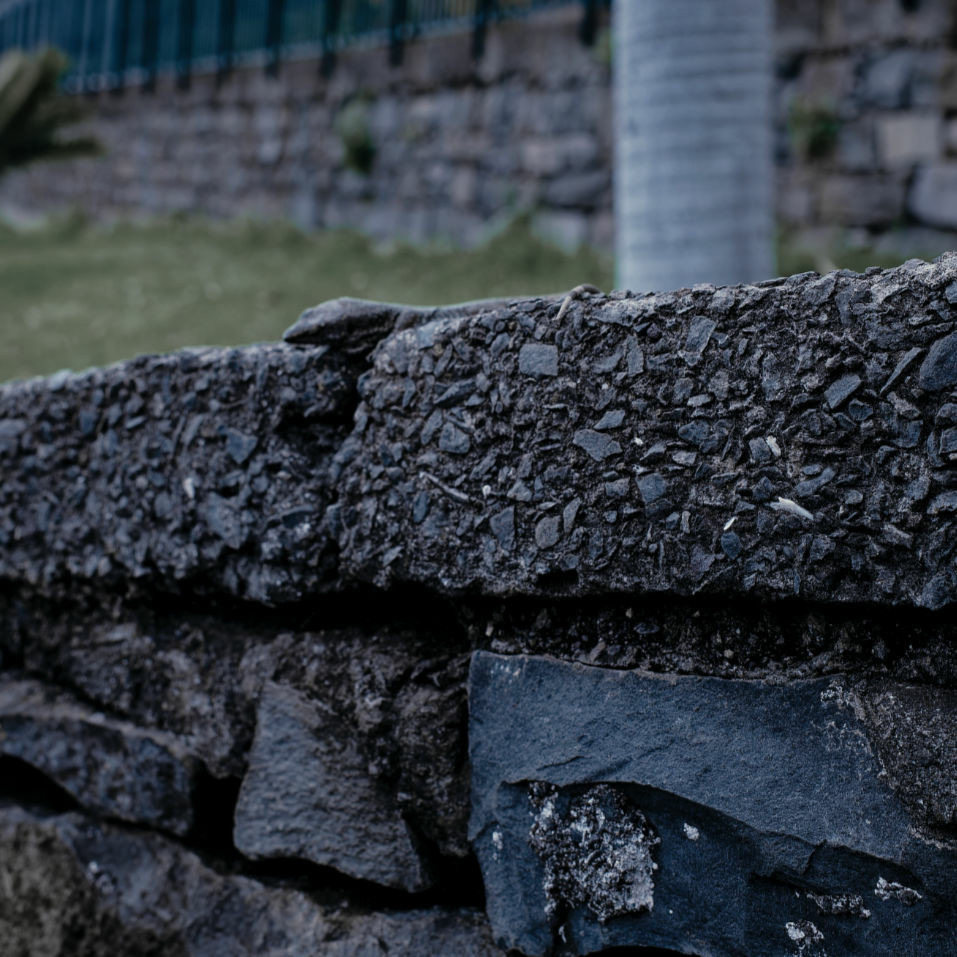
[114, 43]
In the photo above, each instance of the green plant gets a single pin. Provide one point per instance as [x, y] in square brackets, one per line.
[813, 128]
[603, 48]
[352, 127]
[33, 111]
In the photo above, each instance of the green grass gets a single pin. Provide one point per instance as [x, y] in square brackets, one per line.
[73, 295]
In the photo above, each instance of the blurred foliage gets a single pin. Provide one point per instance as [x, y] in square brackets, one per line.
[33, 112]
[352, 127]
[813, 128]
[75, 295]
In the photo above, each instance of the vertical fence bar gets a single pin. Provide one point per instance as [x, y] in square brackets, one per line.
[330, 28]
[109, 38]
[274, 12]
[86, 38]
[46, 31]
[150, 44]
[588, 29]
[483, 13]
[184, 43]
[398, 10]
[121, 46]
[225, 39]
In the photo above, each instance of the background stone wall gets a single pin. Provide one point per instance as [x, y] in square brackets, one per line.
[443, 147]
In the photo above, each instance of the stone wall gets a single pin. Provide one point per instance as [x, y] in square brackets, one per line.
[549, 625]
[446, 148]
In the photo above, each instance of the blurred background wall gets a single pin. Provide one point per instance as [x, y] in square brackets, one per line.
[444, 133]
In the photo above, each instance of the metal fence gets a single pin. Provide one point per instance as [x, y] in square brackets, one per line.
[113, 43]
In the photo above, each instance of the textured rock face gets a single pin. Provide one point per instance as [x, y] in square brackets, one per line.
[203, 470]
[632, 804]
[787, 439]
[240, 591]
[72, 887]
[112, 767]
[308, 793]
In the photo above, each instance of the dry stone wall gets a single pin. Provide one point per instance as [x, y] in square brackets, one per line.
[444, 147]
[623, 621]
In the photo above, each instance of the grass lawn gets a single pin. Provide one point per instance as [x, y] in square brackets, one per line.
[74, 296]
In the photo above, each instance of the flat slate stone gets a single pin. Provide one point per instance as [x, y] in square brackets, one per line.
[308, 793]
[110, 766]
[737, 817]
[776, 405]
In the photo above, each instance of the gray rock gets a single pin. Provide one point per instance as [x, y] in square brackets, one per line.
[598, 446]
[111, 767]
[760, 451]
[538, 359]
[840, 391]
[731, 545]
[174, 470]
[397, 697]
[84, 887]
[547, 531]
[453, 439]
[939, 370]
[773, 344]
[610, 420]
[751, 801]
[503, 527]
[652, 487]
[308, 793]
[699, 334]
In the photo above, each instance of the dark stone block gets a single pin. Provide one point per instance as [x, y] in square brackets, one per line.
[308, 793]
[177, 471]
[110, 766]
[738, 817]
[823, 405]
[85, 887]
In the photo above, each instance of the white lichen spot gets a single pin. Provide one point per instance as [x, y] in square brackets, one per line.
[497, 844]
[806, 936]
[691, 832]
[842, 905]
[596, 850]
[891, 890]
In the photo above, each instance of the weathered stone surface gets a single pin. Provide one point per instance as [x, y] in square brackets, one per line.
[69, 885]
[761, 806]
[396, 695]
[111, 767]
[836, 504]
[913, 730]
[309, 793]
[204, 469]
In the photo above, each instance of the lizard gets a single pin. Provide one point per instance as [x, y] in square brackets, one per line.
[355, 326]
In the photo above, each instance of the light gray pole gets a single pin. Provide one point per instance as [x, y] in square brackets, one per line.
[693, 167]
